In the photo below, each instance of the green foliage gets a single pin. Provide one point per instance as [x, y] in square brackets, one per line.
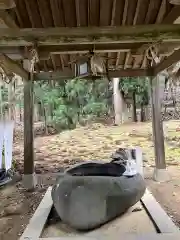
[69, 102]
[137, 85]
[73, 101]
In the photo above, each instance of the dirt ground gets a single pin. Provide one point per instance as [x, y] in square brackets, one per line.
[91, 142]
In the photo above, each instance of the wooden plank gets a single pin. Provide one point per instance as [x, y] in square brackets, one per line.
[13, 66]
[38, 221]
[7, 19]
[158, 215]
[67, 73]
[123, 237]
[173, 58]
[81, 35]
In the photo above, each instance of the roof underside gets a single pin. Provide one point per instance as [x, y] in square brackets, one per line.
[83, 13]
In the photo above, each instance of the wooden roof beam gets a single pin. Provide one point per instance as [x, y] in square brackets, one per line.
[139, 2]
[125, 12]
[7, 4]
[84, 48]
[162, 12]
[13, 66]
[45, 51]
[113, 14]
[173, 15]
[173, 58]
[77, 12]
[91, 35]
[169, 19]
[117, 59]
[126, 60]
[7, 19]
[68, 73]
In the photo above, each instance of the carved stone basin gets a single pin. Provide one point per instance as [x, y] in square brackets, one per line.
[89, 195]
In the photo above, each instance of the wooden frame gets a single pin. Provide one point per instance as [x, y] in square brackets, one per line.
[68, 74]
[82, 35]
[167, 229]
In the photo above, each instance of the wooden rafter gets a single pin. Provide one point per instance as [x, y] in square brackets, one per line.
[139, 2]
[173, 15]
[62, 61]
[6, 4]
[169, 19]
[7, 19]
[143, 65]
[77, 13]
[113, 12]
[91, 35]
[173, 58]
[149, 11]
[126, 60]
[53, 62]
[117, 59]
[29, 10]
[125, 12]
[13, 66]
[162, 11]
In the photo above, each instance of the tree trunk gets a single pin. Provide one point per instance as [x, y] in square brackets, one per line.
[45, 119]
[117, 97]
[36, 112]
[51, 105]
[142, 113]
[11, 100]
[146, 112]
[134, 115]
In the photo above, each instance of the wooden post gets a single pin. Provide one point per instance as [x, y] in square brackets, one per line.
[160, 173]
[134, 114]
[29, 175]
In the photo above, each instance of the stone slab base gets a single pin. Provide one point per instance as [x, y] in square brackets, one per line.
[161, 175]
[29, 181]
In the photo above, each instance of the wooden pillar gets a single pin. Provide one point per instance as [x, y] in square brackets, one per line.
[160, 173]
[29, 180]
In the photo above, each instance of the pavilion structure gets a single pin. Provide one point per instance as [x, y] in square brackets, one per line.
[40, 40]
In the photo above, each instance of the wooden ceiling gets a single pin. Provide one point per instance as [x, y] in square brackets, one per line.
[89, 13]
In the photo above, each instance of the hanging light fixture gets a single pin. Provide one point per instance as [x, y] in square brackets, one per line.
[82, 67]
[97, 65]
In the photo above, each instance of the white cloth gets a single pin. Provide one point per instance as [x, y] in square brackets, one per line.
[134, 166]
[131, 168]
[1, 141]
[139, 160]
[6, 137]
